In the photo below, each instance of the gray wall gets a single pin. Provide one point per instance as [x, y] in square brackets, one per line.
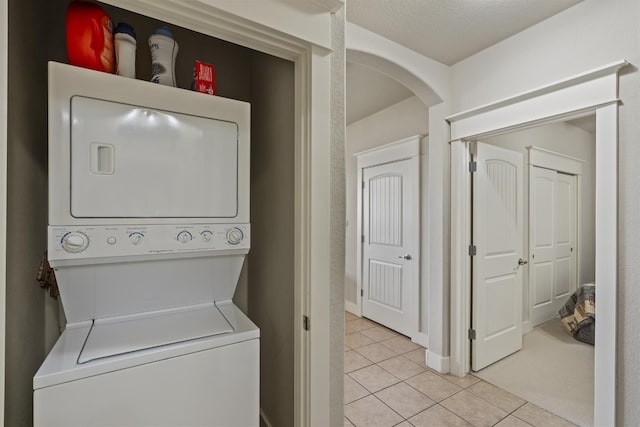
[231, 61]
[271, 260]
[27, 207]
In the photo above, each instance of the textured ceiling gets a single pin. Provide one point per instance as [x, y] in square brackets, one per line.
[369, 91]
[450, 30]
[445, 30]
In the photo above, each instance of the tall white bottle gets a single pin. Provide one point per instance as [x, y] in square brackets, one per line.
[125, 44]
[164, 50]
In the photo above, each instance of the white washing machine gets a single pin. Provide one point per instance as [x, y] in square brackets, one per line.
[148, 231]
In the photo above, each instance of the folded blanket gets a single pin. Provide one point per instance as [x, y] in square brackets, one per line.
[579, 314]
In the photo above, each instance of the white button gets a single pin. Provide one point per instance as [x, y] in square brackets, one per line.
[111, 240]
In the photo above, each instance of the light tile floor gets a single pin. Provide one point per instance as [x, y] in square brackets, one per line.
[386, 383]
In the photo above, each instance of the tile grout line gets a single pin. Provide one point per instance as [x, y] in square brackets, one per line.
[545, 410]
[493, 404]
[362, 385]
[381, 401]
[388, 358]
[392, 385]
[385, 370]
[513, 413]
[372, 325]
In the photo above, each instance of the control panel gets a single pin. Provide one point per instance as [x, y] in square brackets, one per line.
[74, 242]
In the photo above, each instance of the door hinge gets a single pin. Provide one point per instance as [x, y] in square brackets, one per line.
[473, 166]
[472, 334]
[361, 292]
[472, 250]
[362, 238]
[363, 185]
[306, 323]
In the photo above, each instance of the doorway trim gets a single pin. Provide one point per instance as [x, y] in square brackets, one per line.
[392, 152]
[593, 91]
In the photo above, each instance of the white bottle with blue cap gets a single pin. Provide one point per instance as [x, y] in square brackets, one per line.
[164, 50]
[125, 44]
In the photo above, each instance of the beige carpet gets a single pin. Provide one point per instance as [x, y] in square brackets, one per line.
[552, 370]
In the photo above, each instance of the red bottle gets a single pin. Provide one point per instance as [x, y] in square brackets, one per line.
[90, 37]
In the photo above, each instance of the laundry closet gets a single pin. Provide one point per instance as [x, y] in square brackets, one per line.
[266, 288]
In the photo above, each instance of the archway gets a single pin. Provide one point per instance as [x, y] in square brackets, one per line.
[429, 81]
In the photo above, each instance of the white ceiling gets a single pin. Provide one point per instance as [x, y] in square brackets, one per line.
[450, 30]
[445, 30]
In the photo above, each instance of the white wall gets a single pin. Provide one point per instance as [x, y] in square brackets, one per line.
[572, 141]
[406, 118]
[588, 35]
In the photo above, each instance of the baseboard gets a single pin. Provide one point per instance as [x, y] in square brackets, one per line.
[352, 308]
[264, 421]
[437, 362]
[421, 338]
[526, 327]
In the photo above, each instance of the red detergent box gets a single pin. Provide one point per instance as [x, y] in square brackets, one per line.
[204, 78]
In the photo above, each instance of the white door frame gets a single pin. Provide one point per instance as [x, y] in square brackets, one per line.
[593, 91]
[540, 157]
[312, 61]
[399, 150]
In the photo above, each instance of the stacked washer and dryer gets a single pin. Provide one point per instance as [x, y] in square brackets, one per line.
[148, 231]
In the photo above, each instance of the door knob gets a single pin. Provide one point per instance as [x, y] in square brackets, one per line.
[522, 262]
[406, 256]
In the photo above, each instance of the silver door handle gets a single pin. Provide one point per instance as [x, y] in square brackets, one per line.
[522, 262]
[407, 257]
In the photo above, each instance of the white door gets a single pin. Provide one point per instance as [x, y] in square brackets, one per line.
[552, 241]
[169, 165]
[498, 238]
[390, 245]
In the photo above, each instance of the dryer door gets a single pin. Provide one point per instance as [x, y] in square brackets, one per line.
[137, 162]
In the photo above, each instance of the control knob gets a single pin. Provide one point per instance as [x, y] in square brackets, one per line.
[136, 238]
[75, 242]
[184, 237]
[206, 235]
[234, 236]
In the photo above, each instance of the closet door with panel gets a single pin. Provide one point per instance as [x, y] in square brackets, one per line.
[552, 241]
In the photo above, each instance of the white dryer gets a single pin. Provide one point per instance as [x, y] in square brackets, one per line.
[148, 231]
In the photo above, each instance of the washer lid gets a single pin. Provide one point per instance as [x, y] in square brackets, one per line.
[126, 334]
